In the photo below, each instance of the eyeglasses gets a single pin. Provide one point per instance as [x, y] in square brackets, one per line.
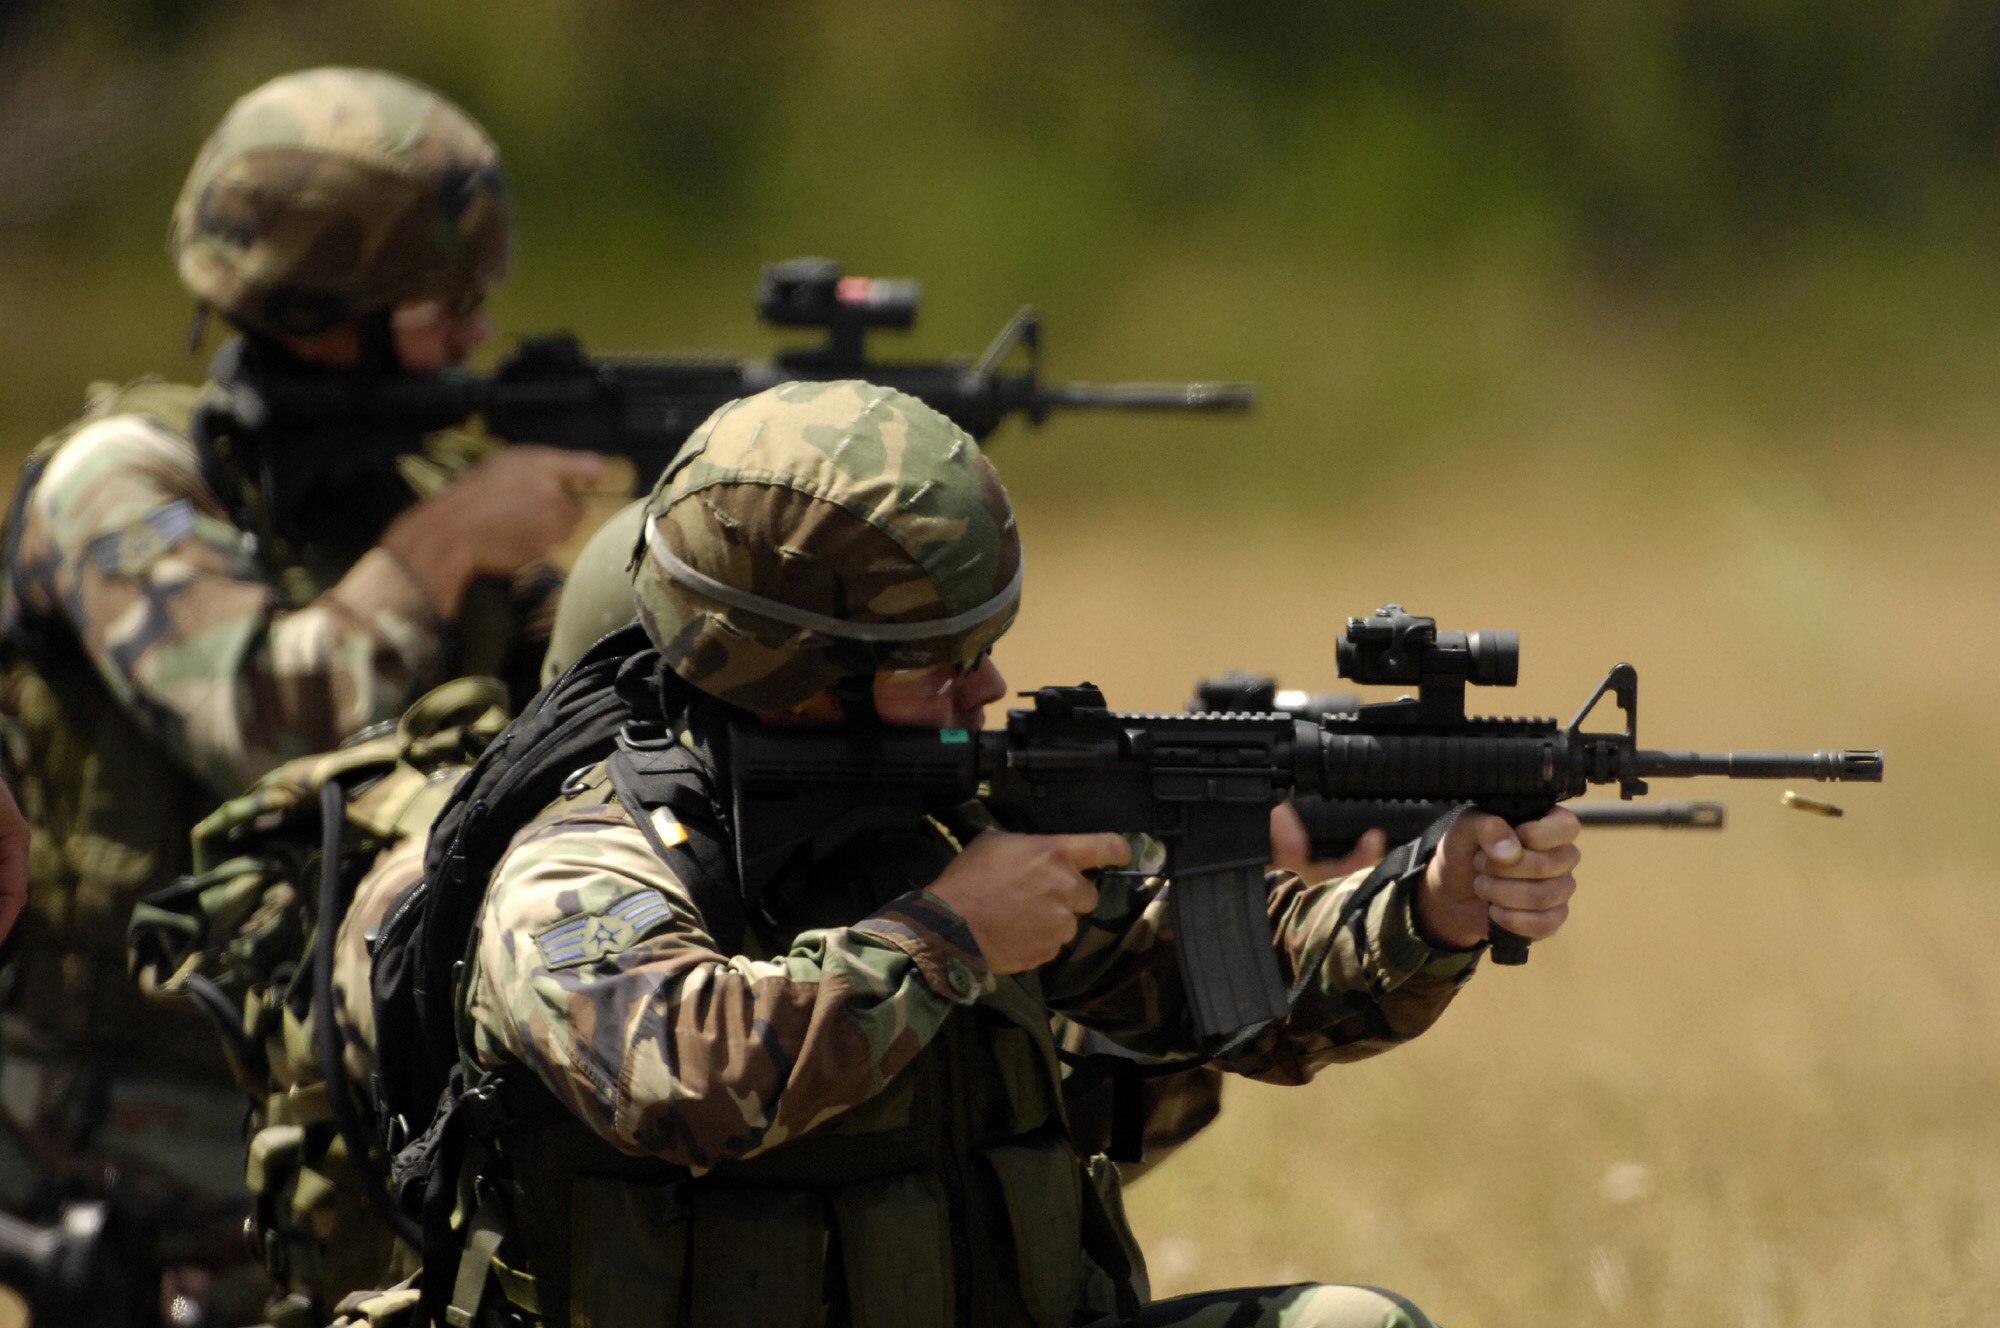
[924, 683]
[930, 681]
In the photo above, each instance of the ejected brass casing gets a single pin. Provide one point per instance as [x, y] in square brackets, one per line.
[1813, 805]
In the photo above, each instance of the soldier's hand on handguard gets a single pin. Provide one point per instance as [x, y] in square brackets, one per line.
[495, 519]
[1022, 894]
[1488, 872]
[13, 860]
[1291, 849]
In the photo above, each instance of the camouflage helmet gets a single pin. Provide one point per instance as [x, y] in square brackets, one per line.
[818, 532]
[332, 194]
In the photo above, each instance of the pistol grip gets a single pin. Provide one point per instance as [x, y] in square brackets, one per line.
[1508, 947]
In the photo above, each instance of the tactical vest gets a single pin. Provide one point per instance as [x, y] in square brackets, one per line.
[956, 1196]
[110, 808]
[238, 938]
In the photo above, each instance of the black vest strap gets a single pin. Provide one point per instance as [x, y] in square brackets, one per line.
[652, 774]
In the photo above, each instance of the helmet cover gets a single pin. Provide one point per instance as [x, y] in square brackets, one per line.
[328, 195]
[818, 532]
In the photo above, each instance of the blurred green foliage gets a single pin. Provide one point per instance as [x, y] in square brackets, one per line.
[1561, 228]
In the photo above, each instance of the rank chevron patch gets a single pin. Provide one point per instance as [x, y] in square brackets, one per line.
[595, 936]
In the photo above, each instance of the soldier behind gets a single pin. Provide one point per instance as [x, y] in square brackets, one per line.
[172, 632]
[853, 1112]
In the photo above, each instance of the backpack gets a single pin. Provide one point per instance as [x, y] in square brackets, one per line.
[570, 725]
[249, 939]
[612, 705]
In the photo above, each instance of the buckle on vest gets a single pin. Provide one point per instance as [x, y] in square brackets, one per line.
[395, 1130]
[485, 1107]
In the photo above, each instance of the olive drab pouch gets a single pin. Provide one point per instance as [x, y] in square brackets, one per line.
[1117, 1279]
[237, 938]
[628, 1253]
[895, 1242]
[1043, 1190]
[758, 1256]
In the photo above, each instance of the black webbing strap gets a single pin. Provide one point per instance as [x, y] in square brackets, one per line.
[652, 775]
[435, 1165]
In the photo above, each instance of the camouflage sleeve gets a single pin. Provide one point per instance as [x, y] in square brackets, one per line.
[395, 873]
[124, 541]
[1373, 981]
[593, 967]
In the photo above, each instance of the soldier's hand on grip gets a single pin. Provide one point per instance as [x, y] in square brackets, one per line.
[1487, 872]
[1022, 894]
[495, 519]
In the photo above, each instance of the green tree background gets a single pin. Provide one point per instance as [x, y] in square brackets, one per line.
[1425, 228]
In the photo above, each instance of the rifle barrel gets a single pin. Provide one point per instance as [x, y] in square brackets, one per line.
[1149, 396]
[1849, 766]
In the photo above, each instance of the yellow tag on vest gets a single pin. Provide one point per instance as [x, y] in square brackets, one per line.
[669, 828]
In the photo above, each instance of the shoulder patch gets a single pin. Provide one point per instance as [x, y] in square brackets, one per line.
[130, 551]
[591, 937]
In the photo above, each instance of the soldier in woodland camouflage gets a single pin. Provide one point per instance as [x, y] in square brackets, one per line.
[853, 1112]
[171, 635]
[597, 599]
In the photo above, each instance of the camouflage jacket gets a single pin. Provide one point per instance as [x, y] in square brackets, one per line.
[124, 541]
[157, 660]
[593, 967]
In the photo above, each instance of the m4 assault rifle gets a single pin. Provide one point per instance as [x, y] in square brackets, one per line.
[1335, 825]
[643, 407]
[1204, 784]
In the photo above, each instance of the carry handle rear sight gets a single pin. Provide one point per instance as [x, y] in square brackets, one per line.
[1391, 646]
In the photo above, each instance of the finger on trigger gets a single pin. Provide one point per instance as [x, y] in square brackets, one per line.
[1100, 850]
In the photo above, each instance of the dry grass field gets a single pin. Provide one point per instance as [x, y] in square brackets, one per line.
[1756, 1081]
